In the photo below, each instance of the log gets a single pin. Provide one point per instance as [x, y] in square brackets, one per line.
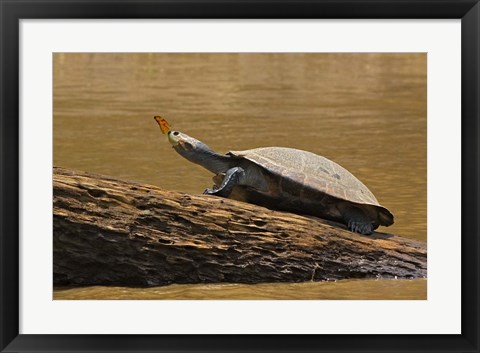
[113, 232]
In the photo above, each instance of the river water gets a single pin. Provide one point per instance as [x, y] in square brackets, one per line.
[366, 112]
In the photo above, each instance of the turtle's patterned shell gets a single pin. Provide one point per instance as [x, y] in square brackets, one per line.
[310, 172]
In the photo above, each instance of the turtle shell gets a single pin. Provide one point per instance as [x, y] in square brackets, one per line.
[309, 171]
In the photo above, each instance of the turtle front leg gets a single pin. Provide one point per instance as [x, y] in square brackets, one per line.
[233, 176]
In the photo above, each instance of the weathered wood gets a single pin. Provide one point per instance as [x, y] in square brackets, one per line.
[108, 231]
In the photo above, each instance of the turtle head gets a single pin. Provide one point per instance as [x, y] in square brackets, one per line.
[197, 152]
[182, 142]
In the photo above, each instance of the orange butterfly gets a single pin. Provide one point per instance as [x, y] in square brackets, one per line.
[164, 125]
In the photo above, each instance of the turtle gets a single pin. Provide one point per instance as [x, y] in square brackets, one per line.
[288, 179]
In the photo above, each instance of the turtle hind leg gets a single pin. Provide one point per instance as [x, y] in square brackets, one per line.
[233, 176]
[357, 226]
[357, 221]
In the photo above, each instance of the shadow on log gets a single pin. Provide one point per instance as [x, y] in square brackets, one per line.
[112, 232]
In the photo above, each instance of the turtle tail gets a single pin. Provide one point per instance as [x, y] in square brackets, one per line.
[385, 217]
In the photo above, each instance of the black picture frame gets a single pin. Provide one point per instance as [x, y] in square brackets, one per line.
[12, 11]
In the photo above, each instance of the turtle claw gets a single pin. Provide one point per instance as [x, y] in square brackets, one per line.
[357, 221]
[359, 226]
[209, 192]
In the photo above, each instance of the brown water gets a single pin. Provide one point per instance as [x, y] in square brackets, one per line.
[366, 112]
[363, 289]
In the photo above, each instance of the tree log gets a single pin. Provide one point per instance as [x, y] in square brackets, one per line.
[112, 232]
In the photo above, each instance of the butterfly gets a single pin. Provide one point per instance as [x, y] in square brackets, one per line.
[163, 123]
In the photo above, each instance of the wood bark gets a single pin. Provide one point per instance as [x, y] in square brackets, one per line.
[113, 232]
